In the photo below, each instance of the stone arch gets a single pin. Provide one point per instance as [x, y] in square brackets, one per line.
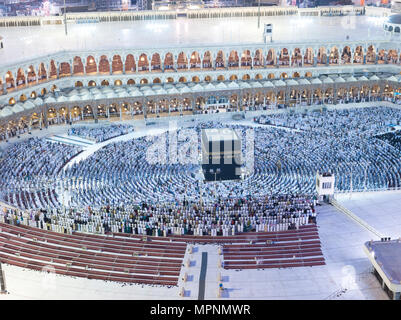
[280, 97]
[90, 67]
[375, 90]
[130, 65]
[144, 81]
[33, 95]
[104, 83]
[114, 110]
[284, 58]
[317, 95]
[371, 55]
[63, 111]
[11, 101]
[321, 56]
[195, 61]
[77, 66]
[258, 76]
[341, 93]
[392, 56]
[42, 75]
[208, 79]
[143, 63]
[246, 77]
[293, 95]
[182, 61]
[233, 60]
[31, 75]
[65, 69]
[137, 109]
[334, 56]
[104, 65]
[233, 100]
[168, 62]
[156, 80]
[220, 78]
[296, 59]
[309, 57]
[200, 103]
[43, 91]
[233, 77]
[388, 90]
[381, 56]
[270, 97]
[346, 55]
[91, 83]
[118, 82]
[271, 58]
[53, 70]
[195, 79]
[79, 84]
[328, 94]
[308, 74]
[305, 95]
[296, 74]
[131, 82]
[20, 78]
[51, 113]
[22, 98]
[87, 111]
[182, 79]
[258, 61]
[170, 80]
[207, 60]
[116, 65]
[246, 59]
[270, 76]
[220, 60]
[101, 111]
[155, 63]
[358, 55]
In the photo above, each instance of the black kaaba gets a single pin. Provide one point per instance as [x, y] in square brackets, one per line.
[221, 154]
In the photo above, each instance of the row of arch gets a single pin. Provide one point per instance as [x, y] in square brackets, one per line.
[157, 80]
[208, 103]
[196, 61]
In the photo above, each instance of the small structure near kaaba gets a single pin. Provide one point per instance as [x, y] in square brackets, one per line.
[385, 256]
[221, 154]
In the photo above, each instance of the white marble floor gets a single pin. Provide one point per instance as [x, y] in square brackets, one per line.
[24, 43]
[382, 210]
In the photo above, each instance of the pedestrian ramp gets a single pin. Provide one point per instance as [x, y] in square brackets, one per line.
[72, 140]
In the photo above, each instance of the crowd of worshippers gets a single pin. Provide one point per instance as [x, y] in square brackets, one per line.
[100, 134]
[32, 159]
[393, 138]
[222, 218]
[288, 150]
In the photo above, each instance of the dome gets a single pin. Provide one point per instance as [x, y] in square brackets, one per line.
[394, 19]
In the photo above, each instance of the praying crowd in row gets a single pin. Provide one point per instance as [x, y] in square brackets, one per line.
[287, 151]
[100, 134]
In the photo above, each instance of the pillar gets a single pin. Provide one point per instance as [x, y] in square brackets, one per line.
[95, 118]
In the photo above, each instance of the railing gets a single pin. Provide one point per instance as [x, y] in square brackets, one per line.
[337, 191]
[211, 13]
[354, 217]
